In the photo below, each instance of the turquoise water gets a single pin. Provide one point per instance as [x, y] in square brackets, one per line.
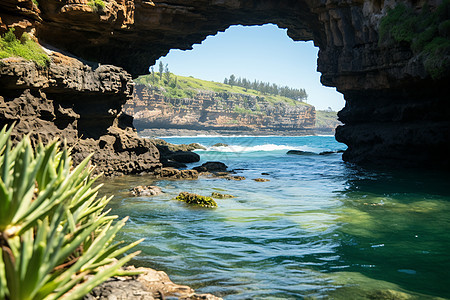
[319, 229]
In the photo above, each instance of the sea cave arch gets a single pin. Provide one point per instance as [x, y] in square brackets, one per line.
[395, 112]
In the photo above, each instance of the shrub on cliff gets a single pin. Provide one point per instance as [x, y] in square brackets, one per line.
[426, 32]
[10, 46]
[56, 241]
[96, 5]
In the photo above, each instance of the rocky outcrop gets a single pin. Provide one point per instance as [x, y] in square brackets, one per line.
[149, 285]
[81, 105]
[147, 190]
[216, 111]
[395, 111]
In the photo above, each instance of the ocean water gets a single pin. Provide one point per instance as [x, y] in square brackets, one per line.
[319, 229]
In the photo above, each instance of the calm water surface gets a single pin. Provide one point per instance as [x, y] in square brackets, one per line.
[319, 229]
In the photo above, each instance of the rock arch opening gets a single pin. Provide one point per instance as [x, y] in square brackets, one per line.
[276, 83]
[395, 112]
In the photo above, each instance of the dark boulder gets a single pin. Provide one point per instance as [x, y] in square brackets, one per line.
[212, 166]
[300, 152]
[184, 157]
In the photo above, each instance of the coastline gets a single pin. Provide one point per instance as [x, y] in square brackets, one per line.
[172, 132]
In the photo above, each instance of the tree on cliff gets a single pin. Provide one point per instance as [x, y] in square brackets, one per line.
[161, 70]
[167, 73]
[268, 88]
[232, 80]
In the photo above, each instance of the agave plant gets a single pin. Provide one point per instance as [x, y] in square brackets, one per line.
[56, 240]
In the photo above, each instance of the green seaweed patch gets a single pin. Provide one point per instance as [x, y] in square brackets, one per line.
[195, 199]
[221, 196]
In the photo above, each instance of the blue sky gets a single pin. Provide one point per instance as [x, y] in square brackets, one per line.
[263, 53]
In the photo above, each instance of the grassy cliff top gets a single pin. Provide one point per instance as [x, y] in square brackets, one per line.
[176, 86]
[326, 119]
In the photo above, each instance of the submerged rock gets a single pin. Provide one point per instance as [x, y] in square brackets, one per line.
[331, 152]
[212, 166]
[221, 196]
[300, 152]
[237, 178]
[327, 152]
[148, 190]
[195, 199]
[261, 179]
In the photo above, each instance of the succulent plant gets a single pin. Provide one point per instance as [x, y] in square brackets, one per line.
[56, 240]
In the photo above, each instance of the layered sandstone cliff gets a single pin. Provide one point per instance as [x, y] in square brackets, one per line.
[209, 110]
[393, 105]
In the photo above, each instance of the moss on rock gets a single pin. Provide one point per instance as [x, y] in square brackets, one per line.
[425, 31]
[195, 199]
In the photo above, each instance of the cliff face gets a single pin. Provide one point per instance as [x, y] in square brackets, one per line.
[212, 110]
[79, 103]
[393, 105]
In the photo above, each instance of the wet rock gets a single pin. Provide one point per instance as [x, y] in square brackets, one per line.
[261, 179]
[265, 174]
[236, 178]
[198, 200]
[164, 146]
[221, 196]
[184, 157]
[171, 173]
[300, 152]
[212, 166]
[150, 285]
[327, 152]
[148, 190]
[220, 145]
[389, 295]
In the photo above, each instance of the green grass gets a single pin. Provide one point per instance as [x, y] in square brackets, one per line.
[96, 4]
[426, 32]
[188, 87]
[26, 48]
[325, 118]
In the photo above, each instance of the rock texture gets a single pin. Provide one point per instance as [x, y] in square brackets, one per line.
[393, 106]
[216, 111]
[150, 285]
[80, 104]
